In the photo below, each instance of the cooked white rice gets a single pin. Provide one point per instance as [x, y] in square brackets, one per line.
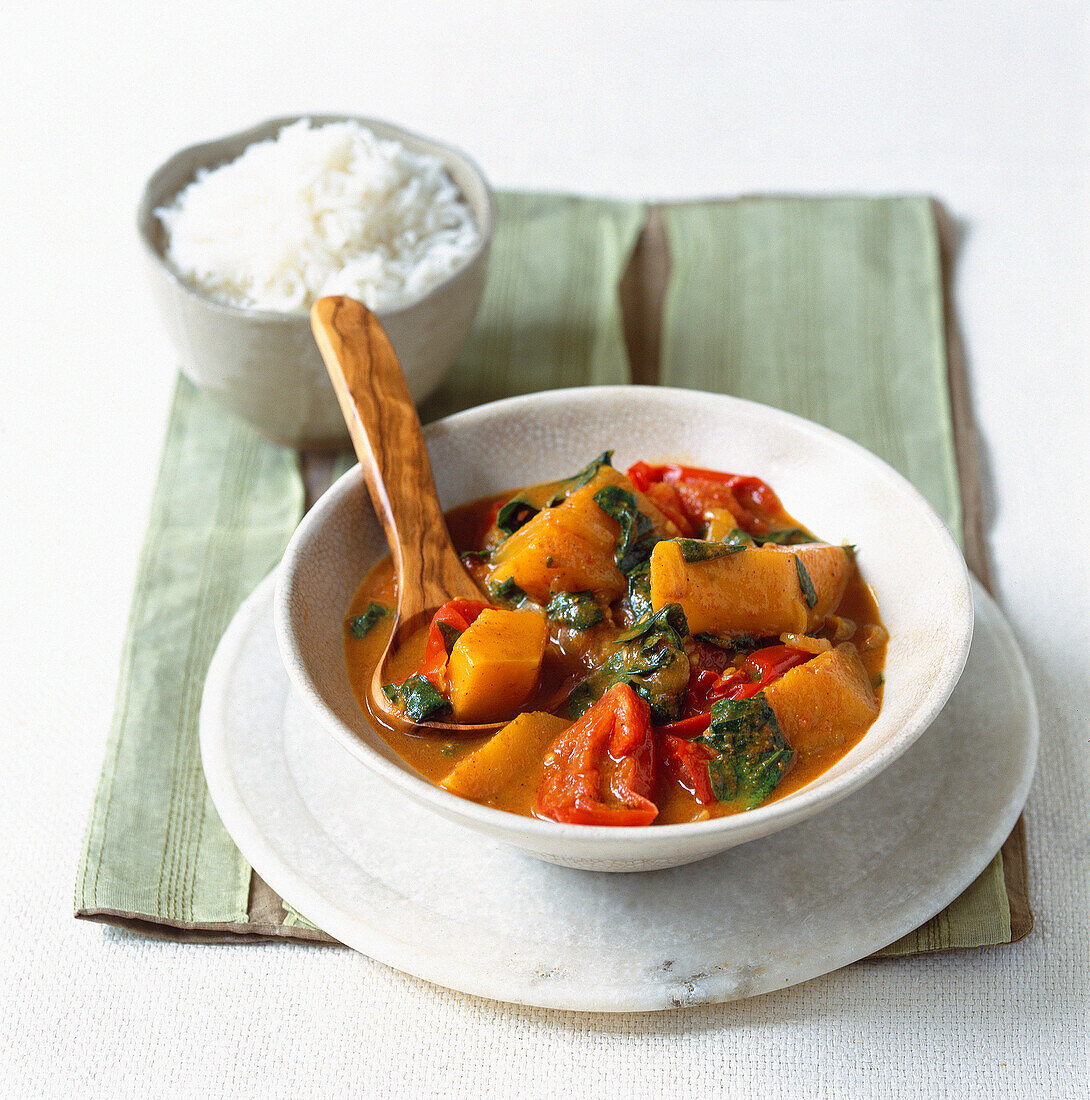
[320, 210]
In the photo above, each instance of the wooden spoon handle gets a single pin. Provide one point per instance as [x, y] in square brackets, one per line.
[386, 434]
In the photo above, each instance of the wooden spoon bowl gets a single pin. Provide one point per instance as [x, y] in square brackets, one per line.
[386, 435]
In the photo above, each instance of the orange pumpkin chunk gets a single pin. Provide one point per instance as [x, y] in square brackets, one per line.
[494, 665]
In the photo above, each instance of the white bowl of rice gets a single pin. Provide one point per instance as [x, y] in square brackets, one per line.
[244, 233]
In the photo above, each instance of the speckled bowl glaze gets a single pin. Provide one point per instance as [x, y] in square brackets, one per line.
[264, 365]
[832, 485]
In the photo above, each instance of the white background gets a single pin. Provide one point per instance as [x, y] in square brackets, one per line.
[983, 105]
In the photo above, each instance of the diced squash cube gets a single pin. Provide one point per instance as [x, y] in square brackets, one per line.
[824, 702]
[754, 592]
[512, 756]
[494, 665]
[570, 548]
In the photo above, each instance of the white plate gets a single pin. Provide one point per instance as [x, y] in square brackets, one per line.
[429, 897]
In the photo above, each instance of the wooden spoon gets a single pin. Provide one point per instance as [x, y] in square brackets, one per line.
[386, 434]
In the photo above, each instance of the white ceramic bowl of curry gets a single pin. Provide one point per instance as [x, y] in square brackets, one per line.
[835, 487]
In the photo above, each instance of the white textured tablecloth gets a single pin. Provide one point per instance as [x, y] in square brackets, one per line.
[981, 105]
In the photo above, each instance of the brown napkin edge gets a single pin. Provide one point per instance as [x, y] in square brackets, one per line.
[265, 923]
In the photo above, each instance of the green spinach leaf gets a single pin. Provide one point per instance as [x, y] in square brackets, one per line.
[517, 511]
[727, 641]
[696, 550]
[417, 698]
[807, 585]
[638, 537]
[751, 753]
[651, 659]
[565, 488]
[575, 609]
[450, 634]
[361, 624]
[522, 507]
[669, 618]
[639, 591]
[507, 591]
[790, 536]
[739, 540]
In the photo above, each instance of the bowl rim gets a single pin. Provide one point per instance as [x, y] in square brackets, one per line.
[150, 202]
[759, 821]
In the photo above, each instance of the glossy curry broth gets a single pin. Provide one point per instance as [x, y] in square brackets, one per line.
[472, 528]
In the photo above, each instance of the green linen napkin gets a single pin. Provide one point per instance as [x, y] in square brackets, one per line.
[551, 316]
[728, 296]
[225, 504]
[828, 308]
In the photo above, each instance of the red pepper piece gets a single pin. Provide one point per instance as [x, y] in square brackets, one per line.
[706, 686]
[642, 476]
[742, 483]
[697, 696]
[698, 497]
[764, 666]
[601, 771]
[749, 499]
[459, 614]
[688, 762]
[756, 495]
[671, 506]
[648, 479]
[692, 726]
[707, 657]
[730, 681]
[759, 669]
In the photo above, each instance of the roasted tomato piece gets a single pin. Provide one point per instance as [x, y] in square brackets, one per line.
[687, 761]
[671, 505]
[749, 499]
[698, 695]
[601, 771]
[764, 666]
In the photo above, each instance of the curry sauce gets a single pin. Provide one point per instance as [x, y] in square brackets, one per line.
[689, 539]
